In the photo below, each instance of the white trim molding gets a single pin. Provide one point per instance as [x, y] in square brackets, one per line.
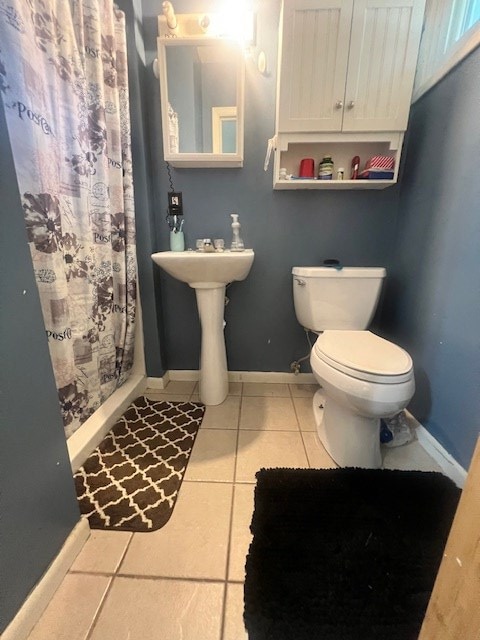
[158, 383]
[81, 444]
[435, 450]
[192, 375]
[278, 377]
[38, 600]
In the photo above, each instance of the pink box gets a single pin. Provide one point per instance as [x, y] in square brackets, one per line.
[380, 162]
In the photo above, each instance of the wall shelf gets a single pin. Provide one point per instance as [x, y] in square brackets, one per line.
[291, 148]
[333, 184]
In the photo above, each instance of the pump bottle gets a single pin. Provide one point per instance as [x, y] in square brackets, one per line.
[237, 242]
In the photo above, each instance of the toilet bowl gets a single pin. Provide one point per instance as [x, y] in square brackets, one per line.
[364, 378]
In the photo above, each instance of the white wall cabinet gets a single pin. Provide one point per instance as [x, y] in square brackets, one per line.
[381, 66]
[345, 67]
[314, 61]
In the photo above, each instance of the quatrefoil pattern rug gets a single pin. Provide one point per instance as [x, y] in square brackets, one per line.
[131, 481]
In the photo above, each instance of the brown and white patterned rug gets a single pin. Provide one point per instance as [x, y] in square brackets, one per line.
[131, 481]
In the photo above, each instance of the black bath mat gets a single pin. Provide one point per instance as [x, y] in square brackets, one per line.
[131, 481]
[345, 554]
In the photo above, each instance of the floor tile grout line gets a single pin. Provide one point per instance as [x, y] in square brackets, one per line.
[293, 430]
[294, 408]
[218, 429]
[265, 395]
[301, 432]
[152, 578]
[230, 532]
[143, 576]
[209, 481]
[119, 565]
[234, 478]
[83, 572]
[227, 564]
[236, 456]
[239, 420]
[306, 451]
[100, 608]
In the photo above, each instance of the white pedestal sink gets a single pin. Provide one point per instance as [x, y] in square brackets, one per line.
[208, 274]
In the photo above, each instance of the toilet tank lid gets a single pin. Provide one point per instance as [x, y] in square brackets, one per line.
[364, 351]
[345, 272]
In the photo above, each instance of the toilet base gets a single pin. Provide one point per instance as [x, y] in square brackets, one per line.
[350, 439]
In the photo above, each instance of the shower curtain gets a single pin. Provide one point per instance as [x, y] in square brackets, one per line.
[63, 81]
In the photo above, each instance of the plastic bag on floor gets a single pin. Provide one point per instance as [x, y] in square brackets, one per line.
[395, 431]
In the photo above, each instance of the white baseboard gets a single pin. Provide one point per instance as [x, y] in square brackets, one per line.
[279, 377]
[81, 444]
[242, 376]
[158, 383]
[185, 375]
[36, 603]
[435, 450]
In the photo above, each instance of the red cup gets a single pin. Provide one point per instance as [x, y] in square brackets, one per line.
[307, 168]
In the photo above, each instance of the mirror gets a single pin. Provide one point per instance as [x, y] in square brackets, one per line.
[202, 93]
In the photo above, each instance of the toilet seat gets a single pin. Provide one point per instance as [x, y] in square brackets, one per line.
[363, 355]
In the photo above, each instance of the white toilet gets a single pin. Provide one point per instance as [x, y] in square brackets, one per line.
[364, 377]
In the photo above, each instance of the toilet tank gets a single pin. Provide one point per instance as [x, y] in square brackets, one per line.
[327, 298]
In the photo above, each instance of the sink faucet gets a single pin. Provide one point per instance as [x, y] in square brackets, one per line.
[205, 245]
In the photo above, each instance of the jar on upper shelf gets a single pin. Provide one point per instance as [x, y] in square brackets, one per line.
[325, 168]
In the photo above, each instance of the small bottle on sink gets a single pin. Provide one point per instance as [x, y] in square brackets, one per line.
[237, 242]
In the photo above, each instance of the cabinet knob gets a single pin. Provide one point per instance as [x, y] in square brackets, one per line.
[339, 104]
[351, 104]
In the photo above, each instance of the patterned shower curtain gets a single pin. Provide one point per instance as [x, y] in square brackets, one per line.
[63, 81]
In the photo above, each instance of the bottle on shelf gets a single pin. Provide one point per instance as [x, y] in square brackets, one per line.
[355, 167]
[325, 168]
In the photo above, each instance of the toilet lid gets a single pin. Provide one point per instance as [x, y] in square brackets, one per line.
[363, 351]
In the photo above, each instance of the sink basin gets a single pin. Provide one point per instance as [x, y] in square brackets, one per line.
[208, 274]
[201, 269]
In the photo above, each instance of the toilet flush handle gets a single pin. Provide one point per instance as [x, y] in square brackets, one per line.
[301, 283]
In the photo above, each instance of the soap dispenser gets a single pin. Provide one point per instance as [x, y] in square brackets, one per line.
[237, 242]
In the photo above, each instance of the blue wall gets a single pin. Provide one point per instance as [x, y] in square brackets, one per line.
[284, 228]
[433, 299]
[38, 505]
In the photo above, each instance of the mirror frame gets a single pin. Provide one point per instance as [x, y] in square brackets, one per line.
[201, 160]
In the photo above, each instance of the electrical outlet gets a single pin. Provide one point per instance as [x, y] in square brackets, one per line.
[175, 203]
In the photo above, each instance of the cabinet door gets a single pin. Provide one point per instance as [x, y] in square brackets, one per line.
[314, 57]
[382, 60]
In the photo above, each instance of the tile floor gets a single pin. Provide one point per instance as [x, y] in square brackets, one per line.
[185, 581]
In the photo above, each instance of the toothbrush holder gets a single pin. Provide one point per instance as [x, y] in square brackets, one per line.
[177, 241]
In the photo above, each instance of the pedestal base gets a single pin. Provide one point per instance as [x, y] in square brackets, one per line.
[213, 356]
